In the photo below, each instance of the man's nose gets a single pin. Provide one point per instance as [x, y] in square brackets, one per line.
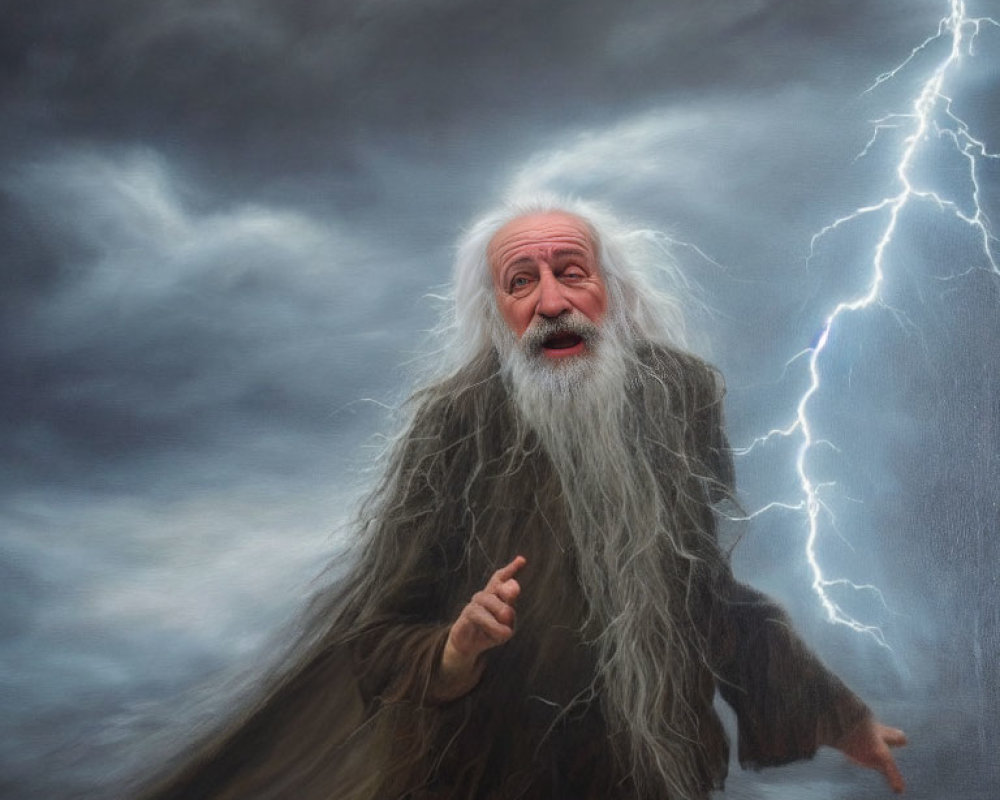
[552, 301]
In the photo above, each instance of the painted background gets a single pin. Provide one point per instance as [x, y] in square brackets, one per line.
[221, 224]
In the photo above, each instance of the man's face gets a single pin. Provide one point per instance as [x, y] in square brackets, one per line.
[545, 268]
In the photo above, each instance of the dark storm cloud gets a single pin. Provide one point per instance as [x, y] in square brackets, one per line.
[147, 370]
[259, 85]
[168, 327]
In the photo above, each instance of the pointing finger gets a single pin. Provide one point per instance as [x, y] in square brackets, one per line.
[502, 583]
[507, 572]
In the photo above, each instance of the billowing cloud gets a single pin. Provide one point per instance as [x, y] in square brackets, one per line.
[172, 322]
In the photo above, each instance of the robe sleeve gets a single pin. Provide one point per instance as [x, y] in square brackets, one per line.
[399, 638]
[786, 701]
[399, 661]
[397, 648]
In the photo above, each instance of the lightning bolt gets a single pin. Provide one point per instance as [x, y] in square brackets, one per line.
[931, 117]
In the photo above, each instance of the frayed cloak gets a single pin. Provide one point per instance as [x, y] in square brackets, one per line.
[355, 716]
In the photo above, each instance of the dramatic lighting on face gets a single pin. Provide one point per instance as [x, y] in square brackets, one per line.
[930, 119]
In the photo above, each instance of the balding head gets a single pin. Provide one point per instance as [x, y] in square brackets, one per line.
[640, 285]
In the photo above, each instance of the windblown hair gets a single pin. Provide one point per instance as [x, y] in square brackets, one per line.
[620, 438]
[624, 447]
[619, 435]
[647, 292]
[635, 484]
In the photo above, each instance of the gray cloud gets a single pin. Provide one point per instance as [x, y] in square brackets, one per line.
[169, 326]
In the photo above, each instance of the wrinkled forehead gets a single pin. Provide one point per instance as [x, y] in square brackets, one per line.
[537, 235]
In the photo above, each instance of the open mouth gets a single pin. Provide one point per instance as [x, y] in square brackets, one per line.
[561, 341]
[564, 343]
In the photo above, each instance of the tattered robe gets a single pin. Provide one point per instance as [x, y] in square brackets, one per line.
[356, 716]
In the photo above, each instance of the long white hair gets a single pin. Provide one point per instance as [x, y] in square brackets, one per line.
[647, 293]
[609, 439]
[608, 443]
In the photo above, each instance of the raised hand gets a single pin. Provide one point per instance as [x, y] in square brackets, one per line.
[486, 621]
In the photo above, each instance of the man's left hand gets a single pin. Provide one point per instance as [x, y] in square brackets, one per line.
[868, 743]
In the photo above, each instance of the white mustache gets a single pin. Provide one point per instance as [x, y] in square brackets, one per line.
[543, 328]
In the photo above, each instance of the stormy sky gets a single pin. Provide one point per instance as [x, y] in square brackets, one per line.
[223, 228]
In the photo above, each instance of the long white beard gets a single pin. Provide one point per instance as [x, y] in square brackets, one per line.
[622, 517]
[559, 397]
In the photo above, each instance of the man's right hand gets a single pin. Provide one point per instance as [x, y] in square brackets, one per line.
[486, 621]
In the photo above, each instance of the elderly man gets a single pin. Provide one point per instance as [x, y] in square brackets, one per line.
[538, 607]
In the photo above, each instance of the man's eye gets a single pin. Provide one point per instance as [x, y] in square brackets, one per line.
[519, 282]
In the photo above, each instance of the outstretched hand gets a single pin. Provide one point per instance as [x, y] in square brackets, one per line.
[486, 621]
[868, 743]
